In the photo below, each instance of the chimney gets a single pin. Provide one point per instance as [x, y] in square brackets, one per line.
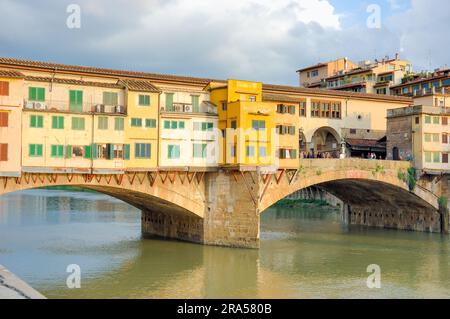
[345, 64]
[397, 56]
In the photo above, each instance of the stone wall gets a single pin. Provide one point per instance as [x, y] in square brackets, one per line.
[399, 135]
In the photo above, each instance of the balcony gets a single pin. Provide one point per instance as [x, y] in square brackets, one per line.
[66, 107]
[418, 109]
[205, 107]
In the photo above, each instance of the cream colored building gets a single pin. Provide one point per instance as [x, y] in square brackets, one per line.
[315, 75]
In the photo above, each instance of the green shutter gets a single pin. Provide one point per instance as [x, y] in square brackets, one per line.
[167, 124]
[88, 151]
[181, 125]
[76, 101]
[40, 121]
[33, 121]
[126, 152]
[53, 151]
[40, 94]
[69, 151]
[195, 104]
[32, 94]
[169, 101]
[54, 122]
[39, 149]
[94, 151]
[110, 149]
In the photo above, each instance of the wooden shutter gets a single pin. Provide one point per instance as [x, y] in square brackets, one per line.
[3, 152]
[4, 88]
[4, 119]
[126, 152]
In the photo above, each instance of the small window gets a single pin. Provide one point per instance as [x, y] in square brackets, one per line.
[3, 152]
[57, 151]
[199, 150]
[4, 88]
[352, 131]
[417, 120]
[136, 122]
[436, 157]
[103, 123]
[258, 125]
[4, 119]
[78, 123]
[233, 124]
[36, 94]
[224, 106]
[173, 151]
[250, 151]
[35, 150]
[427, 119]
[252, 98]
[143, 151]
[262, 151]
[119, 123]
[150, 123]
[36, 121]
[144, 100]
[445, 158]
[428, 157]
[444, 120]
[77, 151]
[436, 120]
[58, 122]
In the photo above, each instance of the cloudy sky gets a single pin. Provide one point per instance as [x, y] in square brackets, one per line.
[264, 40]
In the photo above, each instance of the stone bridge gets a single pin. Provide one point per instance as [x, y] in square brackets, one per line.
[223, 207]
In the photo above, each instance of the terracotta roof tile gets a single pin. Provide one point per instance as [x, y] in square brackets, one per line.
[139, 85]
[73, 82]
[11, 74]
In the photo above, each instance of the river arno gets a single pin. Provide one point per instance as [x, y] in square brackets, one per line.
[305, 253]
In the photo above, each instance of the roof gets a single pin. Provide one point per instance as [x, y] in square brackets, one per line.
[318, 65]
[139, 85]
[73, 82]
[282, 98]
[272, 88]
[11, 74]
[421, 80]
[65, 68]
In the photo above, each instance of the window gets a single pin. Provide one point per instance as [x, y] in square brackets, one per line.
[262, 151]
[436, 138]
[102, 123]
[258, 125]
[444, 138]
[103, 151]
[417, 120]
[36, 94]
[303, 109]
[314, 73]
[436, 120]
[173, 151]
[174, 125]
[78, 123]
[325, 110]
[110, 98]
[76, 101]
[250, 151]
[36, 121]
[136, 122]
[3, 119]
[3, 152]
[336, 110]
[144, 100]
[436, 157]
[169, 101]
[77, 151]
[150, 123]
[233, 150]
[118, 151]
[119, 123]
[427, 137]
[195, 103]
[315, 109]
[352, 131]
[444, 121]
[428, 157]
[252, 98]
[233, 124]
[224, 106]
[57, 151]
[58, 122]
[4, 88]
[203, 126]
[445, 158]
[199, 151]
[35, 150]
[287, 153]
[427, 119]
[143, 151]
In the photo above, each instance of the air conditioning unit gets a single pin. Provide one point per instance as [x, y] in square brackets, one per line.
[100, 108]
[40, 106]
[177, 108]
[120, 109]
[187, 108]
[29, 105]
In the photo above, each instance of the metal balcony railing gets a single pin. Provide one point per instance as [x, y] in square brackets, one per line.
[66, 106]
[204, 107]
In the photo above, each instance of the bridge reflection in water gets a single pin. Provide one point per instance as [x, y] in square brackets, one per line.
[223, 207]
[305, 253]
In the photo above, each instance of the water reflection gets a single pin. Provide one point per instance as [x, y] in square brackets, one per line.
[305, 253]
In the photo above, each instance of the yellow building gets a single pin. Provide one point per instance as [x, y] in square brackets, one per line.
[141, 125]
[315, 75]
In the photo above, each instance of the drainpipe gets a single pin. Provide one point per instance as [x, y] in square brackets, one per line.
[92, 140]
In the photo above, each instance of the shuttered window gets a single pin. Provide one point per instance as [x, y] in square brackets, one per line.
[78, 123]
[58, 122]
[36, 121]
[199, 151]
[35, 150]
[102, 123]
[3, 152]
[119, 124]
[173, 151]
[195, 103]
[4, 88]
[36, 94]
[150, 123]
[110, 98]
[144, 100]
[57, 151]
[143, 151]
[258, 125]
[76, 101]
[136, 122]
[4, 119]
[169, 101]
